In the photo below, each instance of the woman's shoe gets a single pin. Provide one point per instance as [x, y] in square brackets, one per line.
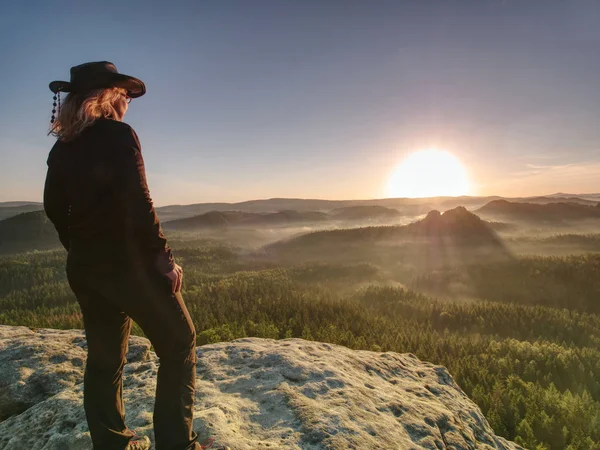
[209, 443]
[138, 443]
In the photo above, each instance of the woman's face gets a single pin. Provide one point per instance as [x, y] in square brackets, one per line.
[121, 106]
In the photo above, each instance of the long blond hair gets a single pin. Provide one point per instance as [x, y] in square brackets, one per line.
[79, 111]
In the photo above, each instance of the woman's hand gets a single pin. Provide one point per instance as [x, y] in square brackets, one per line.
[176, 277]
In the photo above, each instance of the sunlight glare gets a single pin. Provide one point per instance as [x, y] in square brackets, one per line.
[429, 173]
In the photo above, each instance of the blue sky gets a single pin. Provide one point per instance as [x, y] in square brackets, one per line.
[318, 99]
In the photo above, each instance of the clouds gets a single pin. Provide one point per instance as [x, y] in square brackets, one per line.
[542, 179]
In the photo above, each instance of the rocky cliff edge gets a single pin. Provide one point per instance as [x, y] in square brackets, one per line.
[251, 394]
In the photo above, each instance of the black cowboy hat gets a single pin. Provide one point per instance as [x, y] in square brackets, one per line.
[99, 75]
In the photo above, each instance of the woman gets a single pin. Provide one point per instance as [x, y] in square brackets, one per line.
[119, 264]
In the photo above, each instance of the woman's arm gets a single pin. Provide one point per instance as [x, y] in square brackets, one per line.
[140, 216]
[56, 204]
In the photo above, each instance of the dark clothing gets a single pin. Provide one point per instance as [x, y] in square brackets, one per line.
[97, 197]
[110, 297]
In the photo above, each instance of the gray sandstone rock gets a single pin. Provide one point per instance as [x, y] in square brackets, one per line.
[35, 365]
[251, 394]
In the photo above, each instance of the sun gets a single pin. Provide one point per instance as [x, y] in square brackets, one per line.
[429, 173]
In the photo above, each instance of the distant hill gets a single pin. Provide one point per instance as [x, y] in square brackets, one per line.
[10, 209]
[223, 219]
[19, 203]
[27, 231]
[544, 214]
[594, 196]
[286, 218]
[363, 213]
[544, 200]
[454, 228]
[406, 206]
[211, 219]
[174, 212]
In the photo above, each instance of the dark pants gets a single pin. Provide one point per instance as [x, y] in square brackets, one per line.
[110, 296]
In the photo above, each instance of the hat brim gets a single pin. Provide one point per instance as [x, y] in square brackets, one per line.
[62, 86]
[135, 87]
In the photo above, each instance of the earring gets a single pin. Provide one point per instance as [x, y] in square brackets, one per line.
[54, 104]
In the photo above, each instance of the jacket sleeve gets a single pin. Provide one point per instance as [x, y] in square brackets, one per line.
[140, 215]
[56, 204]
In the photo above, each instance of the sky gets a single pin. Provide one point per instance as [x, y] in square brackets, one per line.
[321, 99]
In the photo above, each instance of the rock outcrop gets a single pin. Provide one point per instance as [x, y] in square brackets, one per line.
[251, 393]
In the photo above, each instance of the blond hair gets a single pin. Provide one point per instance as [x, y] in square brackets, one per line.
[79, 111]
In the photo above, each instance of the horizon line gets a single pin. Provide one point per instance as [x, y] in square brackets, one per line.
[561, 194]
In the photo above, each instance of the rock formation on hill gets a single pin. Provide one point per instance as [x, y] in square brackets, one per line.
[251, 393]
[456, 224]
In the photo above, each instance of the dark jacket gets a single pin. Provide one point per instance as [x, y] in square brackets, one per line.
[97, 197]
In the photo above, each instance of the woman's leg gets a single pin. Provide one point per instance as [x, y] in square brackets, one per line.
[144, 294]
[107, 332]
[164, 318]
